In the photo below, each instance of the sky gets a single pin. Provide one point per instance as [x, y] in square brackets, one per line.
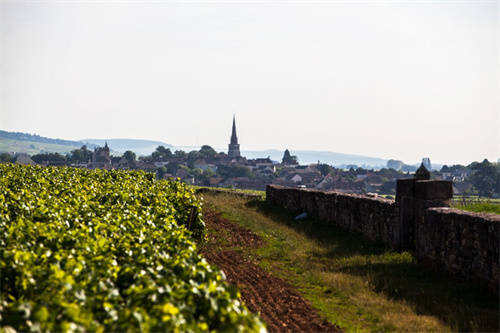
[389, 79]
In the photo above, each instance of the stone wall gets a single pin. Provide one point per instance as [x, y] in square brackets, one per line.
[462, 243]
[466, 244]
[376, 218]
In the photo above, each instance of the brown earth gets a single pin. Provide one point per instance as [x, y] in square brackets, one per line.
[278, 304]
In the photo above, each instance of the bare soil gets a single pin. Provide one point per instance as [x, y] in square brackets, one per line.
[278, 304]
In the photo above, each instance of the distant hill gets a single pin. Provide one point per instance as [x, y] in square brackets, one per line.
[37, 138]
[138, 146]
[312, 156]
[34, 144]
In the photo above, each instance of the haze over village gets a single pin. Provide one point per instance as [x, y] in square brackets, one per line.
[207, 167]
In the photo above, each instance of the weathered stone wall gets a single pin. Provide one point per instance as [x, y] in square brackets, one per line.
[464, 244]
[376, 218]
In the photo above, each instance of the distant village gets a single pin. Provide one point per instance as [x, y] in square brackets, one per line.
[207, 167]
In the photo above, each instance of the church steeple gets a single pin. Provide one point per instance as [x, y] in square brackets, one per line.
[234, 137]
[234, 148]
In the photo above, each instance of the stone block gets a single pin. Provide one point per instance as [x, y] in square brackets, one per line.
[434, 190]
[404, 188]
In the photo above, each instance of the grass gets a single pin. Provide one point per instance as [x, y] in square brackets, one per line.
[32, 148]
[476, 204]
[481, 207]
[236, 190]
[355, 283]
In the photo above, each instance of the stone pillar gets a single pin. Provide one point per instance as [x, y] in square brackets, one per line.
[405, 189]
[413, 197]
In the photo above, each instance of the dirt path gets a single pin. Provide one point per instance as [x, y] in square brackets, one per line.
[279, 304]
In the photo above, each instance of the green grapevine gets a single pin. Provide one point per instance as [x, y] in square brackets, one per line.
[95, 250]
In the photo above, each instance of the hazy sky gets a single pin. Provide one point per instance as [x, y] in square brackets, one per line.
[403, 79]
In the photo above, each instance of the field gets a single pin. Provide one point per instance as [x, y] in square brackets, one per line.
[476, 204]
[84, 250]
[262, 194]
[356, 284]
[21, 146]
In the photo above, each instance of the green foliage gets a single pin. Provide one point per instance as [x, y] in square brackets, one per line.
[161, 154]
[82, 155]
[129, 156]
[106, 251]
[49, 157]
[481, 207]
[231, 171]
[207, 152]
[6, 158]
[325, 169]
[160, 172]
[179, 154]
[476, 204]
[485, 178]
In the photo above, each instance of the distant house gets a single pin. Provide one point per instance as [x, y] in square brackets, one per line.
[101, 158]
[213, 181]
[326, 183]
[160, 164]
[203, 165]
[296, 179]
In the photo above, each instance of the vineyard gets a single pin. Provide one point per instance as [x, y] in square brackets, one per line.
[107, 251]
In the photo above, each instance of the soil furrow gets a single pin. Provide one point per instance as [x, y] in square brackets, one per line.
[278, 303]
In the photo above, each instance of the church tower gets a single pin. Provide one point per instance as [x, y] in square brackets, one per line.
[234, 148]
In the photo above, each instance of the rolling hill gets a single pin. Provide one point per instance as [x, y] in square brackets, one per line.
[33, 144]
[312, 156]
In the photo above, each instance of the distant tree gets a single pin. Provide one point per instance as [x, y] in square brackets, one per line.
[361, 171]
[207, 152]
[325, 169]
[160, 172]
[82, 155]
[180, 154]
[191, 157]
[6, 158]
[288, 158]
[231, 171]
[49, 157]
[161, 154]
[129, 156]
[485, 178]
[172, 167]
[394, 164]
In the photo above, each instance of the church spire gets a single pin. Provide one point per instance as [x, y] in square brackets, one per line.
[234, 137]
[234, 148]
